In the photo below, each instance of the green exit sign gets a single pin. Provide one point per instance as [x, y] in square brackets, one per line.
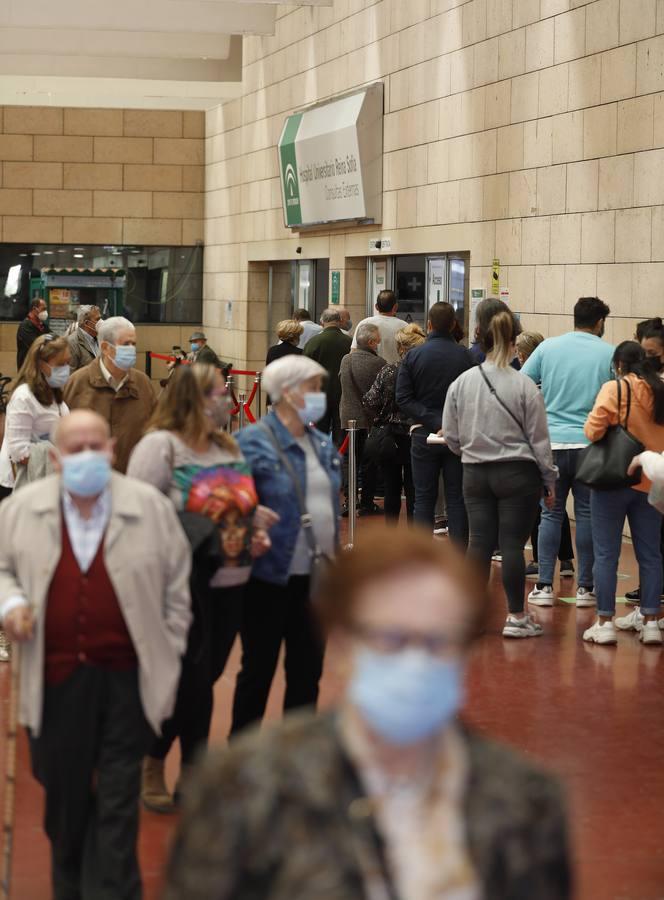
[336, 288]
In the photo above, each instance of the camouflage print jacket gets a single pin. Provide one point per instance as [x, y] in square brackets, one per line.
[281, 816]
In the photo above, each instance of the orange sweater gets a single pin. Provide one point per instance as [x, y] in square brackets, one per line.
[641, 422]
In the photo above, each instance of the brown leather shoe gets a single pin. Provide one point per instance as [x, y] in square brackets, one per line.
[154, 793]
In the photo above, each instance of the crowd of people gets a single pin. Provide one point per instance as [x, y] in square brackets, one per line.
[238, 534]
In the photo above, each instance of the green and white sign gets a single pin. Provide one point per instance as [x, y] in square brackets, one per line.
[331, 161]
[336, 288]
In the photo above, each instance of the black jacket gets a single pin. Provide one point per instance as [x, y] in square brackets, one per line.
[27, 333]
[203, 536]
[280, 350]
[425, 376]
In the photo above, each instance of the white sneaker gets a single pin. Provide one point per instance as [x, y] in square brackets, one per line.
[601, 634]
[585, 597]
[541, 596]
[632, 622]
[521, 627]
[650, 633]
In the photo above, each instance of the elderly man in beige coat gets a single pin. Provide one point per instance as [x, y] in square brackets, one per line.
[102, 612]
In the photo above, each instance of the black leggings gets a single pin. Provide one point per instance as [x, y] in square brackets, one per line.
[211, 639]
[502, 500]
[398, 475]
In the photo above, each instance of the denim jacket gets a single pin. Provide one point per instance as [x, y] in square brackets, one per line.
[275, 490]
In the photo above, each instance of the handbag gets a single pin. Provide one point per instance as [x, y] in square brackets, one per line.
[380, 445]
[603, 465]
[320, 561]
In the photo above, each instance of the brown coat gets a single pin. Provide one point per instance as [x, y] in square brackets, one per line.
[282, 815]
[127, 411]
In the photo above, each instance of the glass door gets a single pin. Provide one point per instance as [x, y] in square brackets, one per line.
[436, 281]
[303, 285]
[380, 279]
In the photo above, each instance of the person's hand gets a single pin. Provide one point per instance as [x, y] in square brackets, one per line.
[260, 543]
[440, 433]
[634, 465]
[549, 497]
[19, 624]
[265, 518]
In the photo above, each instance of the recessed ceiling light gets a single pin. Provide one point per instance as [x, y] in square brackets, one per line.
[23, 254]
[63, 251]
[48, 253]
[78, 256]
[36, 254]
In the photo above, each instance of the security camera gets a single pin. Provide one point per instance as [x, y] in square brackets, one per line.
[298, 249]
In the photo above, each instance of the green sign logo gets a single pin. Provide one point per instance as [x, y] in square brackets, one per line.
[289, 179]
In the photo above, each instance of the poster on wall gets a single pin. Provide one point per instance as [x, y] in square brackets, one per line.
[331, 161]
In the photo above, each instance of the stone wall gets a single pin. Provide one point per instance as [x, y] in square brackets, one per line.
[528, 130]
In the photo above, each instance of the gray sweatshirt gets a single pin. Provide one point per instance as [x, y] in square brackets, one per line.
[477, 428]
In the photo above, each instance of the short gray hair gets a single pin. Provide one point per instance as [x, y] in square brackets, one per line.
[84, 311]
[110, 328]
[330, 315]
[289, 372]
[366, 332]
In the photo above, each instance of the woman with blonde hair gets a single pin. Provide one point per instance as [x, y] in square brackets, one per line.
[35, 405]
[393, 428]
[495, 420]
[288, 332]
[188, 456]
[525, 343]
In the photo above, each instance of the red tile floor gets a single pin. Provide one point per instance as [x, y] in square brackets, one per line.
[594, 715]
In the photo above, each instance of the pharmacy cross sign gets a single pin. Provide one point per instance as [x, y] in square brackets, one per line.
[414, 284]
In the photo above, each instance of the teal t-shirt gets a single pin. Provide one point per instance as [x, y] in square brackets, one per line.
[570, 370]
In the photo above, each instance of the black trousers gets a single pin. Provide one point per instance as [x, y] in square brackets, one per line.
[429, 462]
[566, 550]
[209, 647]
[398, 476]
[271, 614]
[88, 759]
[365, 469]
[502, 500]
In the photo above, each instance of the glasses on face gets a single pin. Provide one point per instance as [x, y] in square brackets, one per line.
[394, 640]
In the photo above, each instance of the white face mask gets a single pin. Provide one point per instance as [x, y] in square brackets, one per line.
[43, 315]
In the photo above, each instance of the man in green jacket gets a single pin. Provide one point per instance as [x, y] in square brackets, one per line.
[328, 348]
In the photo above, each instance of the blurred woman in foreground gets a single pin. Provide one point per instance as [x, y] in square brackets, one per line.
[390, 795]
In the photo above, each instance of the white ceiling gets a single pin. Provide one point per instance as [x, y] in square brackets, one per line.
[152, 54]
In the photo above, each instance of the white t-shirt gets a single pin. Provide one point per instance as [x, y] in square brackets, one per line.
[388, 327]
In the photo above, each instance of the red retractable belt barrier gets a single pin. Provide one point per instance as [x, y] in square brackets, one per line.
[236, 404]
[343, 450]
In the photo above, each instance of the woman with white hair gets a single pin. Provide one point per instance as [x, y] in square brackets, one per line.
[297, 473]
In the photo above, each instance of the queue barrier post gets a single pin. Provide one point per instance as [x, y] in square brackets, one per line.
[242, 413]
[259, 394]
[352, 481]
[229, 390]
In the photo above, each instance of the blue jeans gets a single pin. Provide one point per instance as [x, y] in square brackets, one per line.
[552, 520]
[609, 509]
[428, 461]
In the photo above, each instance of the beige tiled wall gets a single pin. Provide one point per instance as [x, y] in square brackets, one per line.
[101, 175]
[530, 130]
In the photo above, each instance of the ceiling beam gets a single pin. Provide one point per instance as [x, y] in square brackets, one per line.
[84, 42]
[199, 16]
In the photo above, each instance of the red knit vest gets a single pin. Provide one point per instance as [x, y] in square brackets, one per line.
[84, 622]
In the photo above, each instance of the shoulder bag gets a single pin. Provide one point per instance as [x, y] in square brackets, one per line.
[319, 560]
[380, 445]
[603, 465]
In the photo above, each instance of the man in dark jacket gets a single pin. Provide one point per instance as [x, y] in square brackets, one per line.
[202, 353]
[424, 377]
[32, 327]
[357, 374]
[328, 348]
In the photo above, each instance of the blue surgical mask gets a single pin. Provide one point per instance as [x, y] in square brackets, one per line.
[59, 376]
[125, 357]
[407, 696]
[194, 348]
[86, 474]
[315, 407]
